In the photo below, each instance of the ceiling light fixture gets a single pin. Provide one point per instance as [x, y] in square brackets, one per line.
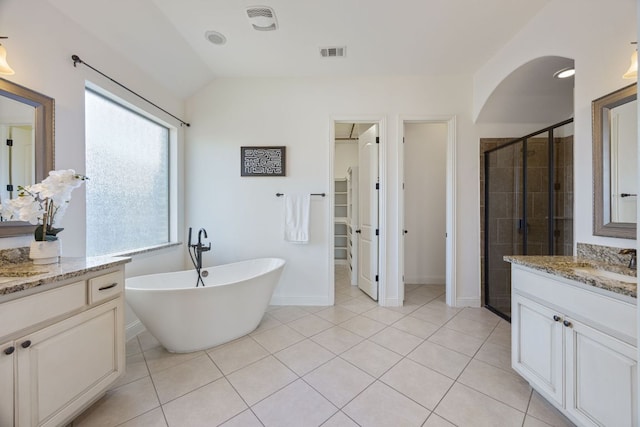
[565, 73]
[4, 65]
[632, 72]
[263, 18]
[215, 37]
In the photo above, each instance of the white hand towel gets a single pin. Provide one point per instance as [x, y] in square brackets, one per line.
[296, 217]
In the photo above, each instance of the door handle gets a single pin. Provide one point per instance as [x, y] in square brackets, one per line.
[358, 231]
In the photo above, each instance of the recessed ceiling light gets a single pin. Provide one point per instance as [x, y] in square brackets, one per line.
[564, 73]
[215, 37]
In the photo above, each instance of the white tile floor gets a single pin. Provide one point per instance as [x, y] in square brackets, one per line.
[424, 364]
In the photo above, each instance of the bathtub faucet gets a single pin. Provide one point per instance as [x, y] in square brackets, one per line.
[198, 248]
[201, 248]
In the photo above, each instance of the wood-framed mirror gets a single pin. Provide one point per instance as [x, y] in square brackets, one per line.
[615, 136]
[27, 119]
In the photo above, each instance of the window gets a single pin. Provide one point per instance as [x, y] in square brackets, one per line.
[127, 162]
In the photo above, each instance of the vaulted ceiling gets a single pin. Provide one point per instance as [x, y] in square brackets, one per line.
[166, 38]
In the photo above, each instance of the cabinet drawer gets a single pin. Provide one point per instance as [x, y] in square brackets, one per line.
[601, 311]
[33, 309]
[105, 286]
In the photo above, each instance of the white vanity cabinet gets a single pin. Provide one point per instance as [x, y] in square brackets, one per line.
[7, 362]
[576, 346]
[57, 365]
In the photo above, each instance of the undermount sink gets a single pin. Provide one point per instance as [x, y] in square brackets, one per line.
[607, 274]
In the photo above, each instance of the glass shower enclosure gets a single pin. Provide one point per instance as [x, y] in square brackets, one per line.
[528, 206]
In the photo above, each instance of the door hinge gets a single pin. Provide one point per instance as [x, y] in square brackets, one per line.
[403, 185]
[376, 278]
[10, 142]
[403, 139]
[377, 140]
[377, 231]
[377, 185]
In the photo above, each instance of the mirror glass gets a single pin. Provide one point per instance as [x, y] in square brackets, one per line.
[26, 145]
[17, 159]
[615, 135]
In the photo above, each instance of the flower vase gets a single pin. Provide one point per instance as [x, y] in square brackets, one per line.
[45, 252]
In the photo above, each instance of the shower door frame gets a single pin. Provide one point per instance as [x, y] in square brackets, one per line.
[551, 201]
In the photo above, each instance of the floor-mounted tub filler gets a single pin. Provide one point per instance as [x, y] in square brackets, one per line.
[185, 318]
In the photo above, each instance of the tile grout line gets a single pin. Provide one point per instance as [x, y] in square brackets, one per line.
[363, 339]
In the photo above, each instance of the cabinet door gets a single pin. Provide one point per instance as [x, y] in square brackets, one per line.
[537, 351]
[6, 383]
[601, 378]
[64, 366]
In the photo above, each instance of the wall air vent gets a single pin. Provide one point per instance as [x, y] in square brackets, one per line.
[333, 52]
[263, 18]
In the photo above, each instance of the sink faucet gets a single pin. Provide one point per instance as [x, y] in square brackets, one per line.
[633, 262]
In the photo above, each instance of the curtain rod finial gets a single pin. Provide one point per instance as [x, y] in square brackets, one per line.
[76, 59]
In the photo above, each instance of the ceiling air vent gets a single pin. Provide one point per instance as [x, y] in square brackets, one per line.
[333, 52]
[263, 18]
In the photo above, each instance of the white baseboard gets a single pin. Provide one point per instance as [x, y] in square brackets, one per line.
[425, 280]
[391, 302]
[283, 300]
[133, 329]
[468, 302]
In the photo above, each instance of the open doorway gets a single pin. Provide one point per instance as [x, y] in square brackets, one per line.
[427, 204]
[425, 195]
[356, 204]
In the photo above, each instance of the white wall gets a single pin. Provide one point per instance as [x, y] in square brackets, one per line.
[245, 217]
[41, 42]
[597, 36]
[346, 155]
[425, 175]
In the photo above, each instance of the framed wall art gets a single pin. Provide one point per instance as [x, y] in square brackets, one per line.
[263, 161]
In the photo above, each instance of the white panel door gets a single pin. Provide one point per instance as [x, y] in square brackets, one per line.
[368, 212]
[62, 367]
[624, 162]
[7, 355]
[537, 343]
[602, 373]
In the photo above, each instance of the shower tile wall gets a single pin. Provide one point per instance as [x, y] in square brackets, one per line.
[505, 233]
[564, 195]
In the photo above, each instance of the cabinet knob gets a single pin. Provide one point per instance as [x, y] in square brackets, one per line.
[556, 318]
[567, 324]
[9, 350]
[26, 344]
[358, 231]
[406, 231]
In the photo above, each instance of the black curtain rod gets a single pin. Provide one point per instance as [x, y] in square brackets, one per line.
[76, 59]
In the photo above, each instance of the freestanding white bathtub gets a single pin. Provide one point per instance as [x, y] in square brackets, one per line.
[185, 318]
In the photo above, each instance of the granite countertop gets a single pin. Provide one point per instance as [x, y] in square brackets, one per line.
[15, 277]
[577, 268]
